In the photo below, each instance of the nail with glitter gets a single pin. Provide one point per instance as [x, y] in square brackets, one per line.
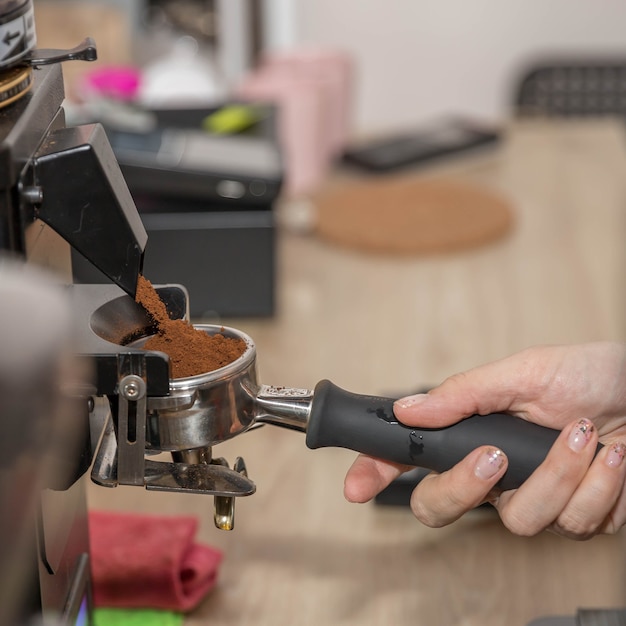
[580, 435]
[616, 455]
[489, 463]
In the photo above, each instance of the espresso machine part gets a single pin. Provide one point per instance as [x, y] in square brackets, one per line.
[73, 184]
[66, 178]
[37, 419]
[17, 50]
[17, 26]
[109, 327]
[17, 40]
[44, 214]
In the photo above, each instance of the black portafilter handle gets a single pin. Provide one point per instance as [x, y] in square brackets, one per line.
[367, 424]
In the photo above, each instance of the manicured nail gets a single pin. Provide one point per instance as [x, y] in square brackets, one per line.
[409, 401]
[489, 463]
[616, 455]
[580, 435]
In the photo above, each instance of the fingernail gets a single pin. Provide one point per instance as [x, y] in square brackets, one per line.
[489, 463]
[405, 403]
[616, 455]
[580, 435]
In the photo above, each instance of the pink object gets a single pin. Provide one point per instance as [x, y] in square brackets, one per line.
[148, 561]
[332, 69]
[301, 126]
[116, 82]
[312, 89]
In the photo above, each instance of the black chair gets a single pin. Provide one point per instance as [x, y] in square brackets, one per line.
[573, 89]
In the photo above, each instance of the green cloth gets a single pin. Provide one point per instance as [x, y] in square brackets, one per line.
[136, 617]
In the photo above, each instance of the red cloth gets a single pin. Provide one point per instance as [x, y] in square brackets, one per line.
[149, 561]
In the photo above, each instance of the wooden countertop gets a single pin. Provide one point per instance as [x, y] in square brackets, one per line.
[300, 554]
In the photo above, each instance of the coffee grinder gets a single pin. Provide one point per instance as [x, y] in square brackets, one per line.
[61, 190]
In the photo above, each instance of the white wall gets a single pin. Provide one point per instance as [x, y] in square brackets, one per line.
[417, 59]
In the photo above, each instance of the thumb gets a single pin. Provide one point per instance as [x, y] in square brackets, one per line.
[430, 409]
[485, 389]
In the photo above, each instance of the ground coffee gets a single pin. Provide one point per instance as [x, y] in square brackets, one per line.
[191, 351]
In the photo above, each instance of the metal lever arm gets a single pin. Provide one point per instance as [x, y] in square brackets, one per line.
[84, 51]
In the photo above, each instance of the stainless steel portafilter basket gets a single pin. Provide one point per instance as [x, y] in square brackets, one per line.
[207, 409]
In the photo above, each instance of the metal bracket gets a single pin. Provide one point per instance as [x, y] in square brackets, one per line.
[215, 479]
[121, 456]
[131, 419]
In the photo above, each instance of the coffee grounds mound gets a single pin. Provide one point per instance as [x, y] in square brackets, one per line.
[191, 351]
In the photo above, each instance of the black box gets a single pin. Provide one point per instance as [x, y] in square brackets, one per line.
[211, 227]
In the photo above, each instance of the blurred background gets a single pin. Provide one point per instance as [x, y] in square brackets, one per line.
[413, 59]
[417, 60]
[360, 73]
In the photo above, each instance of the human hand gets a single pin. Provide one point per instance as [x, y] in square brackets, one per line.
[579, 389]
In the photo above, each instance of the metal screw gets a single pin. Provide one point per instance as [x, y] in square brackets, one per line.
[32, 195]
[131, 390]
[133, 387]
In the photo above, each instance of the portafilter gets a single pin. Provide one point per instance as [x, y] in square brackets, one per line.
[207, 409]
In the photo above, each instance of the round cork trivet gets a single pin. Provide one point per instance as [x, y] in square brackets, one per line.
[412, 215]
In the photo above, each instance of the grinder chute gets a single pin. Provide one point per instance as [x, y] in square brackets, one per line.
[67, 178]
[75, 186]
[61, 189]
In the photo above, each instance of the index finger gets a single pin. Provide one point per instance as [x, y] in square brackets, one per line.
[368, 476]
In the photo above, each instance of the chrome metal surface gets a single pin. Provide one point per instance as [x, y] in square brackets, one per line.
[284, 406]
[202, 411]
[131, 423]
[224, 506]
[104, 469]
[224, 404]
[200, 478]
[133, 388]
[197, 455]
[224, 516]
[179, 402]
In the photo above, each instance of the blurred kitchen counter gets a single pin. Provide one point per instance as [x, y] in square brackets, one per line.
[300, 554]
